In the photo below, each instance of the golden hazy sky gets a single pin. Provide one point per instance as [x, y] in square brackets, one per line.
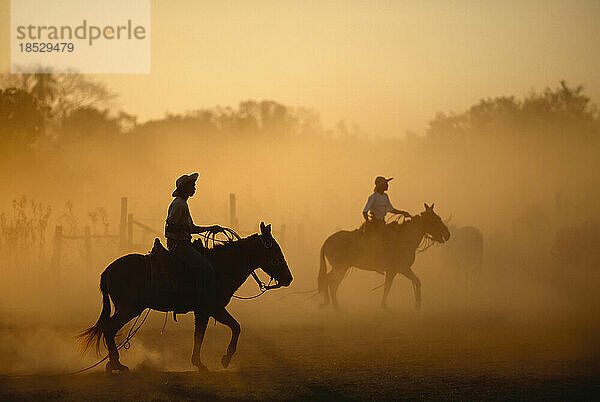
[387, 65]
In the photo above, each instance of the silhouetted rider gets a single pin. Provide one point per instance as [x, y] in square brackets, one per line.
[180, 226]
[378, 205]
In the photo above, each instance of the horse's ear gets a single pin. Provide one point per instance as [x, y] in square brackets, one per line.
[156, 247]
[268, 229]
[432, 205]
[262, 227]
[426, 206]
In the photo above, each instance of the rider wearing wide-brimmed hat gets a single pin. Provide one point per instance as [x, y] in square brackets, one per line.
[179, 227]
[379, 204]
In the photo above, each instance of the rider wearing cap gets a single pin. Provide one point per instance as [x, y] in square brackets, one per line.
[378, 204]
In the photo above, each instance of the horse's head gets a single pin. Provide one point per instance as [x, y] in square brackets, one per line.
[433, 225]
[271, 259]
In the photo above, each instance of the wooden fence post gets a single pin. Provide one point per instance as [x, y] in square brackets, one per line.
[87, 244]
[129, 232]
[57, 250]
[233, 221]
[123, 225]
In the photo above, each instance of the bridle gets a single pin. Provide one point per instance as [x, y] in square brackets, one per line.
[426, 241]
[262, 287]
[268, 244]
[231, 236]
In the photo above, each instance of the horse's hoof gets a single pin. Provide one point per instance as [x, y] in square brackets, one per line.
[202, 369]
[225, 360]
[198, 364]
[116, 366]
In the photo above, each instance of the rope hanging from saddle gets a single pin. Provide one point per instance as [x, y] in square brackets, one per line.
[426, 242]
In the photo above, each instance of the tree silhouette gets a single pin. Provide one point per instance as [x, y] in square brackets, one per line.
[61, 94]
[22, 117]
[89, 123]
[554, 113]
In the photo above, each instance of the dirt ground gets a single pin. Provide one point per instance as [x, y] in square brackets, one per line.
[322, 355]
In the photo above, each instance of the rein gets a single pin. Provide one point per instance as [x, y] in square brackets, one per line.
[262, 287]
[232, 236]
[426, 241]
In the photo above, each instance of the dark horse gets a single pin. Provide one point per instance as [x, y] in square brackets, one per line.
[345, 249]
[126, 283]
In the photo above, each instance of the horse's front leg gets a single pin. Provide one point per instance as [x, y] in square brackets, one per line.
[225, 318]
[416, 286]
[200, 323]
[389, 278]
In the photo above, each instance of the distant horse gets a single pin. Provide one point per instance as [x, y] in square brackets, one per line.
[464, 252]
[345, 249]
[126, 283]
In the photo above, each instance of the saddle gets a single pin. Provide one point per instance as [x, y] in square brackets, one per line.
[374, 242]
[173, 286]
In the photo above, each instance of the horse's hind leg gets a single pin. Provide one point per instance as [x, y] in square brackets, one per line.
[387, 285]
[225, 318]
[326, 298]
[337, 275]
[110, 329]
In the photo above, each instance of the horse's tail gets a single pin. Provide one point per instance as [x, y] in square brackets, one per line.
[322, 279]
[94, 334]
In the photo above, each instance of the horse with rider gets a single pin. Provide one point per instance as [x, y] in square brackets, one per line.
[187, 277]
[387, 248]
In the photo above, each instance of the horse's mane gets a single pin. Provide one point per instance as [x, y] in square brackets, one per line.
[426, 242]
[219, 247]
[398, 226]
[394, 224]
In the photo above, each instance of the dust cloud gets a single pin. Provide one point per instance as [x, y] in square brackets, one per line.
[524, 172]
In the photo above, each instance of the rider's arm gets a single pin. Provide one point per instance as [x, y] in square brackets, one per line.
[195, 229]
[390, 208]
[401, 212]
[367, 207]
[202, 229]
[175, 212]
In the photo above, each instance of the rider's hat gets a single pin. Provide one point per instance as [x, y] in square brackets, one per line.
[183, 180]
[379, 180]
